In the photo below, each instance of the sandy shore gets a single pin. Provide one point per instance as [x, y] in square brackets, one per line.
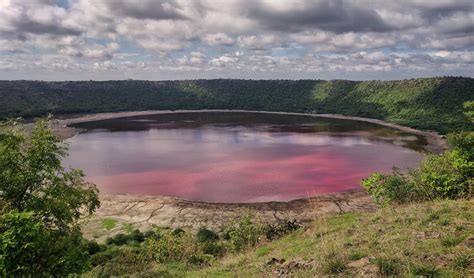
[436, 142]
[144, 212]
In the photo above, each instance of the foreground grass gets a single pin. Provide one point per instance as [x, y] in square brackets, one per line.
[429, 239]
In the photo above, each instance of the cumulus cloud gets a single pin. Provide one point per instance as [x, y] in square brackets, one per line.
[237, 38]
[219, 39]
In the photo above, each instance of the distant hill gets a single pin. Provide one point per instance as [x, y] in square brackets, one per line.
[428, 103]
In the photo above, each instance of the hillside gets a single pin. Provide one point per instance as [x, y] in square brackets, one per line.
[430, 103]
[418, 240]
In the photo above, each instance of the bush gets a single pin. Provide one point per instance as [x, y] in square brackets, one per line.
[205, 235]
[178, 231]
[209, 242]
[439, 177]
[137, 236]
[93, 247]
[151, 234]
[121, 239]
[284, 227]
[244, 234]
[445, 176]
[390, 188]
[107, 255]
[171, 247]
[119, 261]
[118, 239]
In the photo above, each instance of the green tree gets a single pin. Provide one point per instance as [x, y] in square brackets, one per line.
[41, 204]
[469, 110]
[33, 179]
[29, 248]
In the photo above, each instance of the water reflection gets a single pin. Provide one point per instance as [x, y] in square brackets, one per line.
[237, 157]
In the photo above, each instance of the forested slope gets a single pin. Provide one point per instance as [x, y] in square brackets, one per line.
[430, 103]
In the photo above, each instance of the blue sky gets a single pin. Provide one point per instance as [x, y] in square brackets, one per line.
[268, 39]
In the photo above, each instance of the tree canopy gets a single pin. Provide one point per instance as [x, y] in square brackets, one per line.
[41, 205]
[427, 103]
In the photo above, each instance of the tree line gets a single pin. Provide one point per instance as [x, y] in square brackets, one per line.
[428, 103]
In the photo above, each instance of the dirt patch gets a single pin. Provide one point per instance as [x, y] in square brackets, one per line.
[281, 268]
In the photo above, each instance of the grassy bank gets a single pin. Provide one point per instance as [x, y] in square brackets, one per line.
[427, 103]
[431, 239]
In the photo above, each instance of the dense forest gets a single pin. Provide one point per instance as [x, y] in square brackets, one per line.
[429, 103]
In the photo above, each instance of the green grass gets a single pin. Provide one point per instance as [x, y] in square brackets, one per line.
[388, 237]
[451, 241]
[425, 271]
[128, 228]
[108, 223]
[407, 241]
[262, 251]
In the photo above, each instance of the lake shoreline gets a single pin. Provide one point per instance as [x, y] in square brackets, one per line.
[436, 142]
[145, 211]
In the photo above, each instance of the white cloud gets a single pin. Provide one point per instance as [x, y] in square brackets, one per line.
[218, 39]
[338, 39]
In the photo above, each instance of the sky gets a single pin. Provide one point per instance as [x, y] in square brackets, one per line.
[249, 39]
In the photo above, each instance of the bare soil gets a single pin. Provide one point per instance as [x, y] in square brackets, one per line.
[145, 212]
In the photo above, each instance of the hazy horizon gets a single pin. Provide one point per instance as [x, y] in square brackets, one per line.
[247, 79]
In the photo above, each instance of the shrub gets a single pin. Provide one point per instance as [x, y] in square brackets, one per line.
[121, 239]
[107, 255]
[151, 234]
[390, 188]
[178, 231]
[118, 239]
[445, 176]
[137, 236]
[205, 235]
[244, 234]
[209, 242]
[439, 177]
[214, 248]
[93, 247]
[171, 247]
[284, 227]
[120, 261]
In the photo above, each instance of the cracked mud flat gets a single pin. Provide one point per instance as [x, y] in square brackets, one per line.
[145, 212]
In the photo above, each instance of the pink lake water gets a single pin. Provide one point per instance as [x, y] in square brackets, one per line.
[232, 157]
